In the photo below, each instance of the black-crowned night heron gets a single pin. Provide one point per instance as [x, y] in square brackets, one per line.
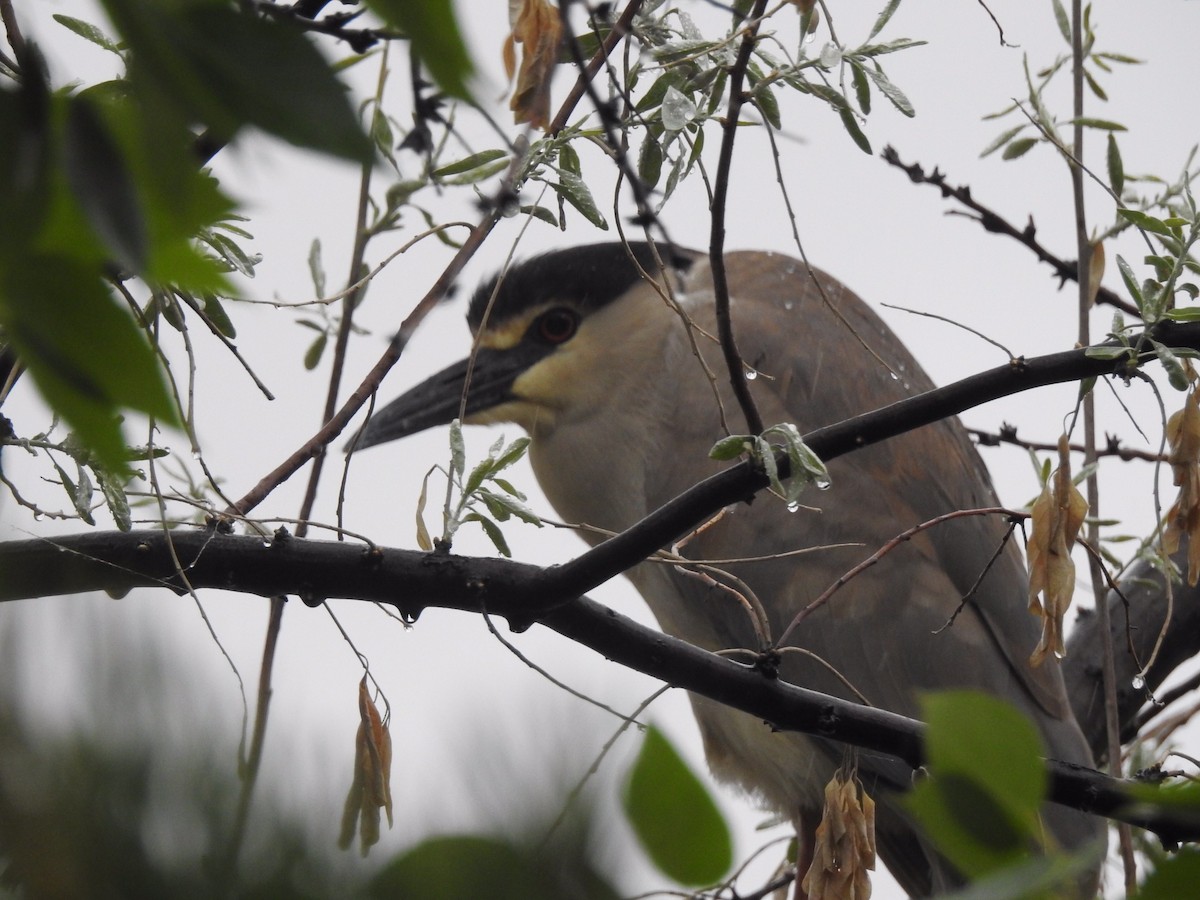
[583, 352]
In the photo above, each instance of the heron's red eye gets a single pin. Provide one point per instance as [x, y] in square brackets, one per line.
[557, 326]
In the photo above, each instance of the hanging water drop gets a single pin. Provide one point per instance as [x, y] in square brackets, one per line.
[1138, 682]
[793, 505]
[751, 374]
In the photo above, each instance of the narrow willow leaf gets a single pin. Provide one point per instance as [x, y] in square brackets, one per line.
[1145, 221]
[88, 32]
[1064, 23]
[862, 87]
[575, 191]
[883, 18]
[893, 93]
[1001, 140]
[1116, 167]
[492, 530]
[1100, 124]
[1017, 149]
[850, 123]
[312, 356]
[474, 161]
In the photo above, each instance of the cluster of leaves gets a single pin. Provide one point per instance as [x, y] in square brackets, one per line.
[690, 77]
[477, 501]
[804, 466]
[1017, 141]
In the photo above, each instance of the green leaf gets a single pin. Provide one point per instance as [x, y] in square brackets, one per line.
[458, 451]
[510, 454]
[850, 123]
[102, 185]
[115, 497]
[230, 68]
[470, 867]
[674, 817]
[540, 212]
[474, 161]
[1175, 876]
[729, 447]
[1145, 221]
[435, 37]
[987, 782]
[86, 355]
[1064, 24]
[1107, 352]
[1131, 285]
[1038, 877]
[88, 32]
[893, 93]
[510, 506]
[217, 316]
[492, 530]
[862, 87]
[1019, 148]
[882, 19]
[315, 269]
[1116, 168]
[1001, 140]
[312, 356]
[1101, 124]
[575, 191]
[80, 494]
[1171, 365]
[650, 160]
[1095, 85]
[568, 159]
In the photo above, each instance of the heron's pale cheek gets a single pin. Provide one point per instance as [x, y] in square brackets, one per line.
[521, 412]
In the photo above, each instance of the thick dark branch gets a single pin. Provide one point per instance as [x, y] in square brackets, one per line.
[316, 570]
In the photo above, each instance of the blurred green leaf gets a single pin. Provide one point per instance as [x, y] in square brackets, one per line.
[1116, 168]
[470, 867]
[436, 39]
[674, 816]
[980, 804]
[1019, 148]
[474, 161]
[1174, 877]
[86, 355]
[231, 68]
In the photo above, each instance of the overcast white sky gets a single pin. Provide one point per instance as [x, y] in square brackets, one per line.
[455, 693]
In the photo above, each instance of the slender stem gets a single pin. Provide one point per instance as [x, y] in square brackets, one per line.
[1084, 254]
[716, 241]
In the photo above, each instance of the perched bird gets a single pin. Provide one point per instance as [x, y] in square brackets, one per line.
[601, 354]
